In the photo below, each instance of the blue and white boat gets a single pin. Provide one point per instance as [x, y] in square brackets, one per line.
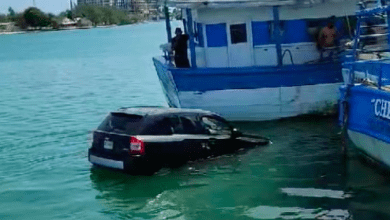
[256, 59]
[365, 97]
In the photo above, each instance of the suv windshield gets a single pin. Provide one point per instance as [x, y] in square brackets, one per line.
[121, 123]
[216, 126]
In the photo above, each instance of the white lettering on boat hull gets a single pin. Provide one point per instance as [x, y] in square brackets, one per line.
[381, 108]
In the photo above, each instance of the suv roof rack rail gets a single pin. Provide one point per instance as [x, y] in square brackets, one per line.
[143, 106]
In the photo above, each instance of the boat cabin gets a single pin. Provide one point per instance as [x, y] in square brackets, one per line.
[256, 60]
[259, 33]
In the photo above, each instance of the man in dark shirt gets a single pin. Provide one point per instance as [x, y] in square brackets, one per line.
[179, 46]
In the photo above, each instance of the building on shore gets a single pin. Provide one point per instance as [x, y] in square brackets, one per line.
[128, 5]
[8, 27]
[124, 4]
[104, 3]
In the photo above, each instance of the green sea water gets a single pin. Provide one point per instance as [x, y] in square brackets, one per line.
[55, 87]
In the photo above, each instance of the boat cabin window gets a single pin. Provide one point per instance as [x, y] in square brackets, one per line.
[261, 32]
[295, 31]
[314, 27]
[216, 35]
[238, 33]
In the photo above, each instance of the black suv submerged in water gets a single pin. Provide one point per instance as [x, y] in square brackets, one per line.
[142, 140]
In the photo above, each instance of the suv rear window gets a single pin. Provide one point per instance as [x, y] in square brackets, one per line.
[121, 123]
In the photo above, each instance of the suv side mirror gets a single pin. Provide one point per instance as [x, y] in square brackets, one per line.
[236, 133]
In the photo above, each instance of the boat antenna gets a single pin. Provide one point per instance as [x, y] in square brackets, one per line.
[349, 25]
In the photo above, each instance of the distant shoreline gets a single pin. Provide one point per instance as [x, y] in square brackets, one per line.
[66, 29]
[12, 32]
[76, 28]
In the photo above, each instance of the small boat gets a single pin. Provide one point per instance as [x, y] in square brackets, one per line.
[365, 97]
[256, 60]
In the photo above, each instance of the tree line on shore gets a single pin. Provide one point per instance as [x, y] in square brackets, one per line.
[36, 19]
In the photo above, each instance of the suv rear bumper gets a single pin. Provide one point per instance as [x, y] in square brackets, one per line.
[132, 164]
[115, 164]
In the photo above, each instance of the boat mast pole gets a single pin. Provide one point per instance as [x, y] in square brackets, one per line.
[278, 39]
[167, 22]
[191, 33]
[357, 36]
[388, 21]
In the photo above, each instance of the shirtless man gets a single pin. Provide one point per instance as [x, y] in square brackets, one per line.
[328, 34]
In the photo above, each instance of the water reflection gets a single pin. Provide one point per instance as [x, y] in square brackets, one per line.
[170, 193]
[125, 195]
[302, 175]
[268, 212]
[369, 187]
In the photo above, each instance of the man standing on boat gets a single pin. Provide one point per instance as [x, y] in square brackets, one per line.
[328, 34]
[179, 46]
[327, 37]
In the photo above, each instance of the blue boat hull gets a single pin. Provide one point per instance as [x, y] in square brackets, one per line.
[367, 121]
[253, 93]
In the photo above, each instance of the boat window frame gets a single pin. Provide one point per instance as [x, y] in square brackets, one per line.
[233, 37]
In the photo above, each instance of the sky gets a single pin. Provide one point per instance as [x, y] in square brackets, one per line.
[48, 6]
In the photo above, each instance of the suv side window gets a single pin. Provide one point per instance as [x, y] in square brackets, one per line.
[215, 126]
[166, 126]
[189, 126]
[176, 125]
[161, 126]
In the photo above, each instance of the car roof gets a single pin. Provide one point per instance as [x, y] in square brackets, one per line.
[156, 110]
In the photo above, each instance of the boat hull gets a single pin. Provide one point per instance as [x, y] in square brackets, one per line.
[376, 150]
[254, 93]
[265, 103]
[367, 121]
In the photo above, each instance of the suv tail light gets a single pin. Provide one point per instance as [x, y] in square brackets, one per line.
[137, 146]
